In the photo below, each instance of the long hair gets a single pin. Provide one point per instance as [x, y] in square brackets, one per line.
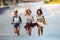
[28, 10]
[16, 11]
[40, 11]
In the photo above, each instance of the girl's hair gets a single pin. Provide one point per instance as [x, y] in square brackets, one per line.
[28, 10]
[16, 11]
[40, 11]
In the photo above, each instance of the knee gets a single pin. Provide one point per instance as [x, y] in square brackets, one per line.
[15, 31]
[18, 29]
[39, 28]
[26, 28]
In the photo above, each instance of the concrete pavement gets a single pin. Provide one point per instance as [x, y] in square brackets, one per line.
[51, 31]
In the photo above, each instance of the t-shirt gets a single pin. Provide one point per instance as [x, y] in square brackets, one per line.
[40, 18]
[17, 20]
[29, 19]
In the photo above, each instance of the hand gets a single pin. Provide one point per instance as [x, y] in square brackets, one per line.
[12, 23]
[44, 22]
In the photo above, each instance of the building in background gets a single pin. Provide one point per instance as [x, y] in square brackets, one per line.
[8, 2]
[52, 1]
[31, 0]
[5, 2]
[0, 2]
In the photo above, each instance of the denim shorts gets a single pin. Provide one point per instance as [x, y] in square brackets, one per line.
[16, 25]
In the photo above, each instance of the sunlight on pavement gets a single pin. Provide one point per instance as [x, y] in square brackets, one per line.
[21, 7]
[51, 30]
[54, 9]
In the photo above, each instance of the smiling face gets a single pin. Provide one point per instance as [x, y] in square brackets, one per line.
[39, 12]
[28, 12]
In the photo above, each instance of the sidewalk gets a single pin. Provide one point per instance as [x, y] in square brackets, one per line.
[51, 31]
[2, 9]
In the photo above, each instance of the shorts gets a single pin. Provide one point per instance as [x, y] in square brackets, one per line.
[28, 25]
[40, 23]
[16, 25]
[35, 24]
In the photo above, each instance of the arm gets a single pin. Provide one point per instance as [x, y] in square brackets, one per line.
[43, 18]
[32, 18]
[12, 21]
[44, 21]
[20, 19]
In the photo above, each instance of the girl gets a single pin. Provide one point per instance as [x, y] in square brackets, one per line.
[16, 21]
[30, 19]
[40, 20]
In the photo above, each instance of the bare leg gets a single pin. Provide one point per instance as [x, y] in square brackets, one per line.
[41, 30]
[15, 30]
[30, 31]
[27, 30]
[18, 29]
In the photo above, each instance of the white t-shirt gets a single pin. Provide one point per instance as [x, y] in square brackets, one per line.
[16, 20]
